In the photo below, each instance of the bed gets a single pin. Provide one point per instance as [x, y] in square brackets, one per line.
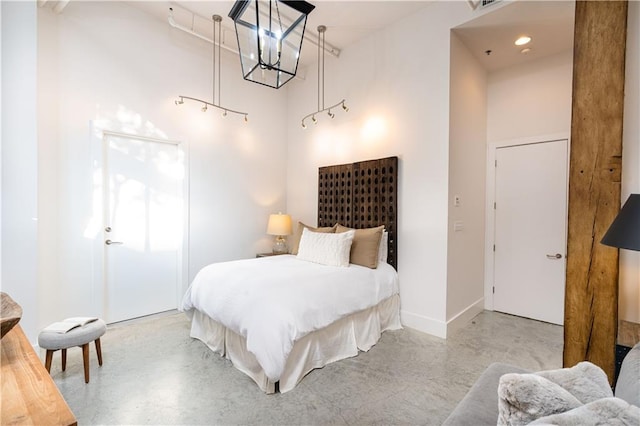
[277, 318]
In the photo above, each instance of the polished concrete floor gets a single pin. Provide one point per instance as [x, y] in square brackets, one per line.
[154, 373]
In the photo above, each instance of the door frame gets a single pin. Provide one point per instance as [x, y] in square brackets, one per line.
[489, 235]
[99, 161]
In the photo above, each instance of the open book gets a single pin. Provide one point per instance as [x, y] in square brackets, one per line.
[69, 324]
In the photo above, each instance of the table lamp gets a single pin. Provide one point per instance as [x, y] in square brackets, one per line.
[279, 225]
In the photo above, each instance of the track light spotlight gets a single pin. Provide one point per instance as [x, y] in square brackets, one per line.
[330, 114]
[304, 126]
[204, 108]
[345, 108]
[314, 119]
[224, 114]
[179, 101]
[246, 118]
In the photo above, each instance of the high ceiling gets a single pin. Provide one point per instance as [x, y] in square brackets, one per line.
[346, 21]
[549, 23]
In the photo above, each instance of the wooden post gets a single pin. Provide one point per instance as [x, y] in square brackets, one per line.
[591, 299]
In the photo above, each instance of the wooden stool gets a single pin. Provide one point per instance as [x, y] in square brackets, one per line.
[79, 336]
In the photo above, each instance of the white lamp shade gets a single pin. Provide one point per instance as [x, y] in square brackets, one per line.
[279, 224]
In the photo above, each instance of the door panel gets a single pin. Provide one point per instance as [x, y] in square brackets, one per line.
[530, 230]
[142, 227]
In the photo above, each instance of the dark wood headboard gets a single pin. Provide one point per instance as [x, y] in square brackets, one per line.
[361, 195]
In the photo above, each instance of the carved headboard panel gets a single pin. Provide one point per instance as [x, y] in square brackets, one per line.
[361, 195]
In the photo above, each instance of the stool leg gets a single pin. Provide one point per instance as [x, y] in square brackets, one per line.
[99, 351]
[85, 358]
[47, 362]
[64, 359]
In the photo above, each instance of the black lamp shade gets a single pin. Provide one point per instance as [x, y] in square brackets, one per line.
[270, 34]
[624, 232]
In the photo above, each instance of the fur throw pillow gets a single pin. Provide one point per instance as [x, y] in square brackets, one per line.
[523, 398]
[605, 411]
[586, 381]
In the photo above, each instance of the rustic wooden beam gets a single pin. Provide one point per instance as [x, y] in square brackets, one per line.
[591, 298]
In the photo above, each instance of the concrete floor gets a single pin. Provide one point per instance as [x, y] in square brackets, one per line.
[154, 373]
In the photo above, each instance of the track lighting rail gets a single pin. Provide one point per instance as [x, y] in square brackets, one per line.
[321, 108]
[217, 34]
[313, 114]
[208, 104]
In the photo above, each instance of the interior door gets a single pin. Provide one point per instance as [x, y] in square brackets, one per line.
[143, 210]
[530, 230]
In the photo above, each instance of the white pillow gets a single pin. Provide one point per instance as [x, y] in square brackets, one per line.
[326, 249]
[383, 250]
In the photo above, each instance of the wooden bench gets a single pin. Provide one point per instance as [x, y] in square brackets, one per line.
[29, 395]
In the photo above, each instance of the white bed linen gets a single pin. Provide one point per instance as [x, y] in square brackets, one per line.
[274, 301]
[341, 339]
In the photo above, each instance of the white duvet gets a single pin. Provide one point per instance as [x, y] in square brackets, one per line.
[274, 301]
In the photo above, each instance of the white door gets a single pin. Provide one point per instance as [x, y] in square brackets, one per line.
[530, 230]
[143, 209]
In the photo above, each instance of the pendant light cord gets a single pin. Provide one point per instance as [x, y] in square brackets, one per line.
[322, 69]
[219, 60]
[213, 68]
[318, 93]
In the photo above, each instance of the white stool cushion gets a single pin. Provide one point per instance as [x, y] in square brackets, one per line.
[76, 337]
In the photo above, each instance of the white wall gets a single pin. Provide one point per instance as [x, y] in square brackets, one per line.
[396, 83]
[112, 64]
[629, 300]
[49, 243]
[20, 159]
[532, 99]
[467, 170]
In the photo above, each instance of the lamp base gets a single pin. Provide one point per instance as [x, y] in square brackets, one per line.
[280, 245]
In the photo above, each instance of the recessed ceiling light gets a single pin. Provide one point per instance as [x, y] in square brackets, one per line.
[525, 50]
[522, 40]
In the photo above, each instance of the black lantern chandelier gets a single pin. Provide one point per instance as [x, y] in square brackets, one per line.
[270, 34]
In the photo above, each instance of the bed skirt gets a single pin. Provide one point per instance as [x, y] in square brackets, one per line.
[342, 339]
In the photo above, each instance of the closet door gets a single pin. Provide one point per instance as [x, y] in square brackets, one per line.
[530, 230]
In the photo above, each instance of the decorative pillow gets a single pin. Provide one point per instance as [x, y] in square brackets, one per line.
[325, 248]
[366, 242]
[527, 397]
[586, 381]
[523, 398]
[605, 411]
[383, 251]
[295, 238]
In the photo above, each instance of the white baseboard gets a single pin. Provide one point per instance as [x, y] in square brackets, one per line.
[424, 324]
[465, 316]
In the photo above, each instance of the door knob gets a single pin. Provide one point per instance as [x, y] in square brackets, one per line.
[109, 242]
[554, 256]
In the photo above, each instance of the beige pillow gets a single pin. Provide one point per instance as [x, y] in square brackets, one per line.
[295, 238]
[366, 242]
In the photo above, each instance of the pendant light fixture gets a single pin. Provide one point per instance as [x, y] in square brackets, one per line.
[270, 34]
[215, 103]
[321, 108]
